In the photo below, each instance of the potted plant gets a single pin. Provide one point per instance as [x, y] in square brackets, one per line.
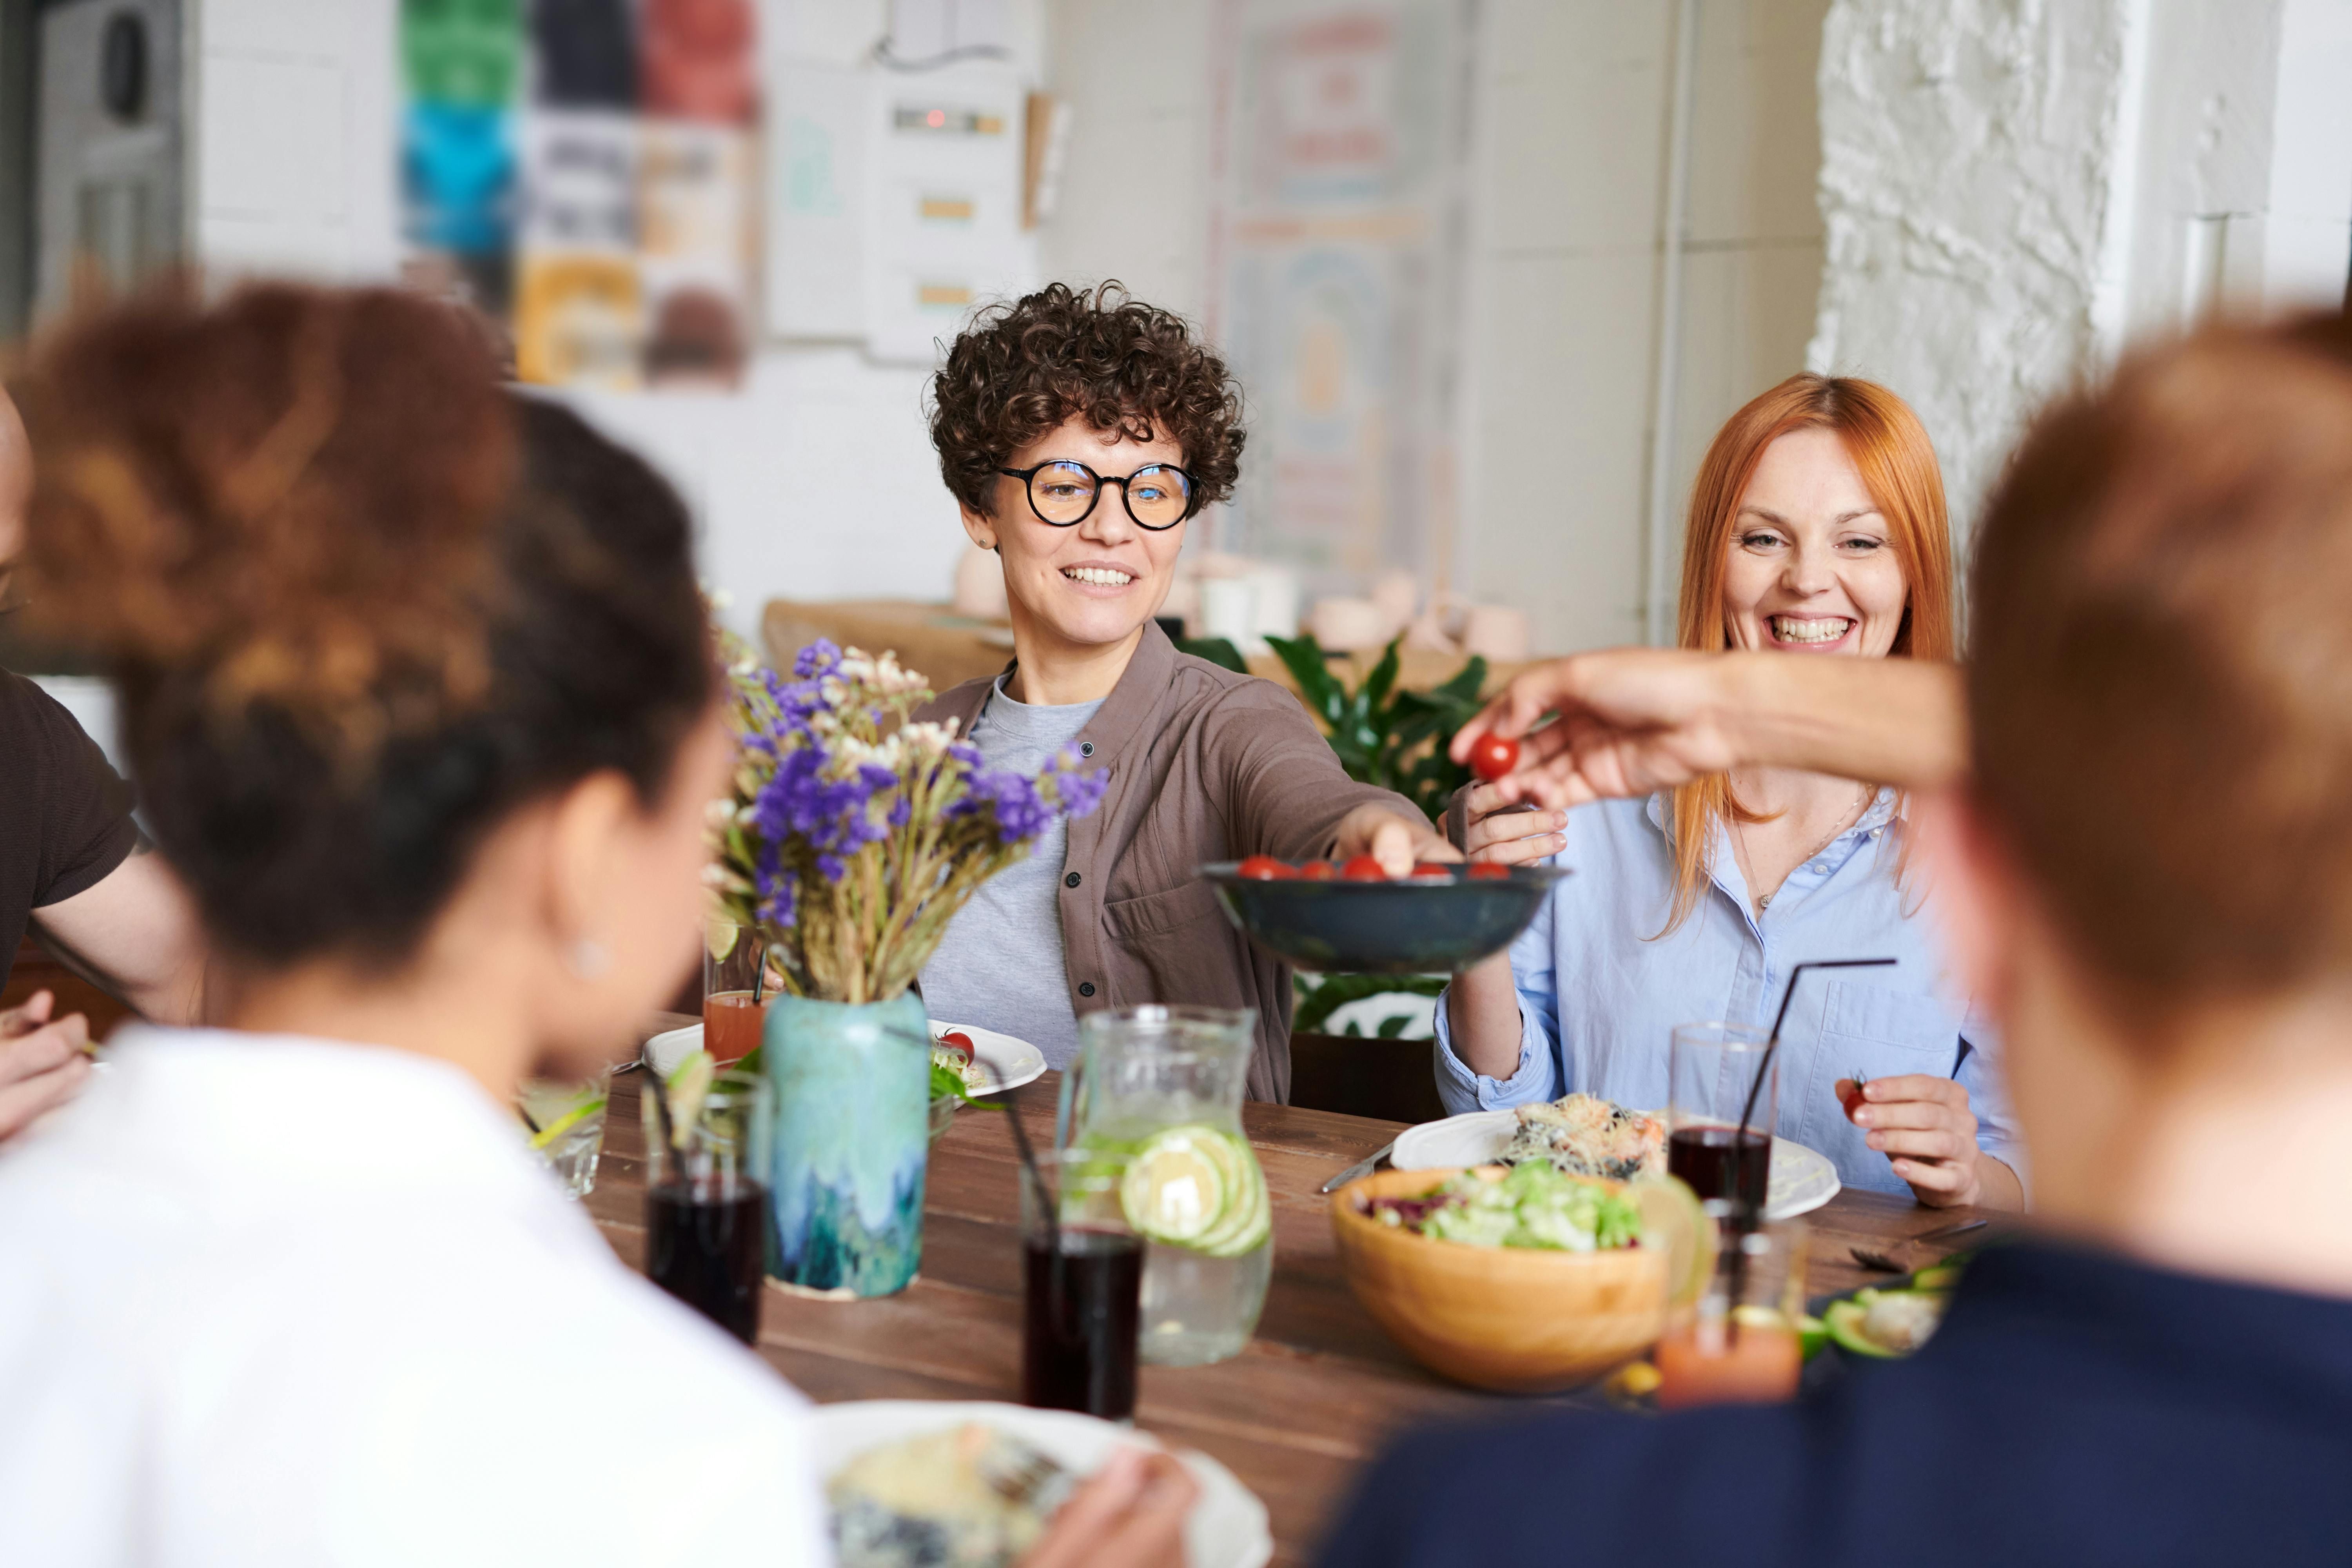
[849, 840]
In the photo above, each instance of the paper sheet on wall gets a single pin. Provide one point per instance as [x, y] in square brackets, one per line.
[1337, 241]
[816, 201]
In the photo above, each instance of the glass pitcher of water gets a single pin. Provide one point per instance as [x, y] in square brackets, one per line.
[1156, 1094]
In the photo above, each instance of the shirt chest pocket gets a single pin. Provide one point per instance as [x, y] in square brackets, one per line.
[1877, 1033]
[1136, 920]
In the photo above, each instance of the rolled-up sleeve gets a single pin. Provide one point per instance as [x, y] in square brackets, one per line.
[1537, 1076]
[1982, 1073]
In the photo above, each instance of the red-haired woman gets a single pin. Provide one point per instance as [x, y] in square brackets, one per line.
[1817, 528]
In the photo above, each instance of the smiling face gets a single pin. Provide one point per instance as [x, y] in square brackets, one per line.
[1809, 566]
[1092, 585]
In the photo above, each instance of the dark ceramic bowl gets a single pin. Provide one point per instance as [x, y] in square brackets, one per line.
[1426, 925]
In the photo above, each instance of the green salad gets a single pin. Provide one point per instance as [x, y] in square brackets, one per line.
[1534, 1205]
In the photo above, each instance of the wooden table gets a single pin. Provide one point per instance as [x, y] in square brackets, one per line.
[1294, 1416]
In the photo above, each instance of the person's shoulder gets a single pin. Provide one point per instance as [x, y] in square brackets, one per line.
[1637, 1477]
[962, 700]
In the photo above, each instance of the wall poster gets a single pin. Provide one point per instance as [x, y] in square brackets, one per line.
[1337, 255]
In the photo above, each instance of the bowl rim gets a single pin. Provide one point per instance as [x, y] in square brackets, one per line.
[1227, 873]
[1345, 1214]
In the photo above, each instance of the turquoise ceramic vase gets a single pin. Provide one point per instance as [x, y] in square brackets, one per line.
[852, 1126]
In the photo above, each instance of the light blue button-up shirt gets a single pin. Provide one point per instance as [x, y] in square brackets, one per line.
[1599, 1000]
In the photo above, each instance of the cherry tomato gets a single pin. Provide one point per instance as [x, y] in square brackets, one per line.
[1363, 869]
[1318, 871]
[1492, 756]
[1488, 872]
[1265, 868]
[1431, 868]
[957, 1043]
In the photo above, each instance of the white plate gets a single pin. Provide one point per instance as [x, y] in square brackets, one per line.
[1228, 1527]
[1803, 1179]
[1016, 1061]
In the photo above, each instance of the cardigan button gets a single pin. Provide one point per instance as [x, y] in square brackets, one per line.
[1071, 881]
[1086, 748]
[1085, 988]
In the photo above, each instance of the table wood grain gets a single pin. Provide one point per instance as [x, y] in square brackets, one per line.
[1294, 1416]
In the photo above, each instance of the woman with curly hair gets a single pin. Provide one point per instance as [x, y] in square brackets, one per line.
[1080, 431]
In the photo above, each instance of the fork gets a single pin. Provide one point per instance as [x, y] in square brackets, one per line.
[1020, 1474]
[1884, 1260]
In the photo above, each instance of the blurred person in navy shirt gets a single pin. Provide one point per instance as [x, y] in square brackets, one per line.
[2142, 846]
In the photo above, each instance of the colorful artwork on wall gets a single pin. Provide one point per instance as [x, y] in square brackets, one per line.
[1338, 266]
[581, 169]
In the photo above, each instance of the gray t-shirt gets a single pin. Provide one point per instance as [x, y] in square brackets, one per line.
[1001, 964]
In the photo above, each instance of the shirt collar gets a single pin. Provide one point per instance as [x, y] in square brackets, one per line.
[1137, 697]
[1878, 814]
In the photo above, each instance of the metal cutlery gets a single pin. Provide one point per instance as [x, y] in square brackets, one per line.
[1870, 1260]
[1363, 1167]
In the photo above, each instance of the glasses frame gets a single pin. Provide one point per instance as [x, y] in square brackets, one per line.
[1028, 478]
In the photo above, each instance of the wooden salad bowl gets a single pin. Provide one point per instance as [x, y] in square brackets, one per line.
[1515, 1319]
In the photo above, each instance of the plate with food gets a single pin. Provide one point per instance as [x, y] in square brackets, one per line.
[985, 1060]
[1351, 917]
[974, 1485]
[1585, 1135]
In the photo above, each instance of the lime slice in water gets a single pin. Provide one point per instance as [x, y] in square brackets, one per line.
[1176, 1187]
[686, 1086]
[1671, 1219]
[547, 1134]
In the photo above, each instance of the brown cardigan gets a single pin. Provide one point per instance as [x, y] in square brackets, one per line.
[1204, 765]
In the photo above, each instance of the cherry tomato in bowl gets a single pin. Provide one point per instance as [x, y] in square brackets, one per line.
[956, 1043]
[1362, 868]
[1489, 871]
[1265, 868]
[1318, 871]
[1492, 756]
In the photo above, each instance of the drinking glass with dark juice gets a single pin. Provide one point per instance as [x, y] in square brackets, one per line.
[1082, 1288]
[706, 1163]
[1723, 1099]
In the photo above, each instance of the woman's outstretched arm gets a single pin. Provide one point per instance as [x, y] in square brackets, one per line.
[1631, 720]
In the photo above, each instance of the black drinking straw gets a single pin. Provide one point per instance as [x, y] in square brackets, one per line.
[1746, 1216]
[1029, 1163]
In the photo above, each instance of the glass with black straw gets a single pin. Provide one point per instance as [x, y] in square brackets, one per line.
[709, 1149]
[1082, 1282]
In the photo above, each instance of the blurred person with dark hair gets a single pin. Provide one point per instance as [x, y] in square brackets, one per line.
[2143, 853]
[1080, 431]
[69, 868]
[418, 677]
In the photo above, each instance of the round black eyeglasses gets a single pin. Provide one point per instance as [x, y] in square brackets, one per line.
[1063, 493]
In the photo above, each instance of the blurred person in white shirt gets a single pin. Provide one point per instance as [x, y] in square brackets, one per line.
[417, 677]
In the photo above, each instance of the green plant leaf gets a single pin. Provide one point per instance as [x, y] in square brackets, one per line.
[1218, 651]
[1303, 656]
[1466, 683]
[1382, 680]
[1392, 1026]
[1325, 996]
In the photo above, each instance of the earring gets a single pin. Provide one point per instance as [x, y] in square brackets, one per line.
[589, 959]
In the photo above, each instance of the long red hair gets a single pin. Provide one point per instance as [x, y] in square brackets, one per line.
[1897, 463]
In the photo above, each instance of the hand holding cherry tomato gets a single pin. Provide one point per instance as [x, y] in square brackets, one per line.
[1492, 756]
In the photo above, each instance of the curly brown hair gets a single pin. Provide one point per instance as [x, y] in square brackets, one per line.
[361, 603]
[1024, 369]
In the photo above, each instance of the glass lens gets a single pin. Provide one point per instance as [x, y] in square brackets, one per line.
[1157, 496]
[1062, 492]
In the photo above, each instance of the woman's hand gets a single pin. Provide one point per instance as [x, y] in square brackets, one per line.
[1922, 1123]
[1504, 832]
[1398, 842]
[42, 1064]
[1630, 721]
[1129, 1514]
